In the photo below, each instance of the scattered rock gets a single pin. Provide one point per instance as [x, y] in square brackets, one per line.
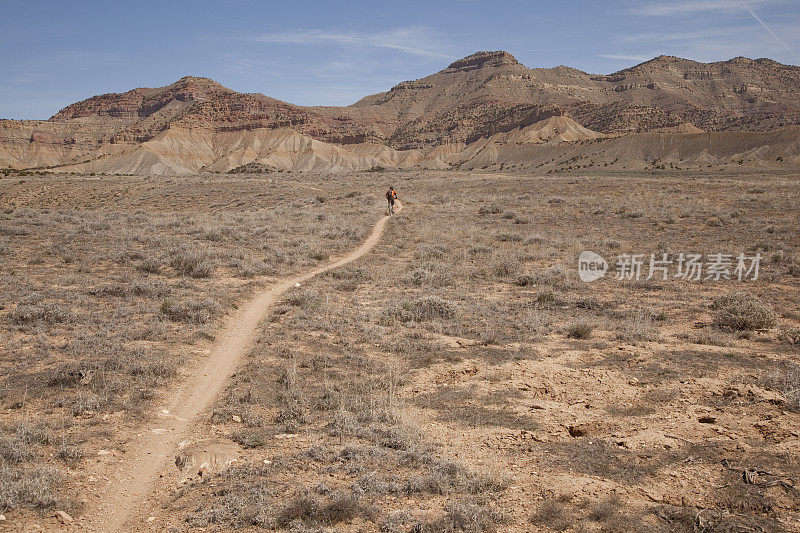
[576, 431]
[202, 458]
[586, 429]
[707, 419]
[64, 518]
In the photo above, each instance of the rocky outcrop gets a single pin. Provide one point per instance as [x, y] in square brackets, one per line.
[480, 60]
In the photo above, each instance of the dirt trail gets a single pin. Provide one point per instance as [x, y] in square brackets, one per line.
[152, 453]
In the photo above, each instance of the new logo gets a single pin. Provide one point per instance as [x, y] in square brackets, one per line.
[591, 266]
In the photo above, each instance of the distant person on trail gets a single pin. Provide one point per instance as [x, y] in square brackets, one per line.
[391, 196]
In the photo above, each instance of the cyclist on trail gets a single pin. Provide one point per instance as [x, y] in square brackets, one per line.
[391, 196]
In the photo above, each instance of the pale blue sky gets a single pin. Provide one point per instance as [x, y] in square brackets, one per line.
[333, 53]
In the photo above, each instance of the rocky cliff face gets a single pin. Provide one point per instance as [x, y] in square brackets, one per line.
[474, 98]
[465, 100]
[481, 60]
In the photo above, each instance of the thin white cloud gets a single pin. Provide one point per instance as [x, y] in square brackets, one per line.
[411, 40]
[764, 24]
[660, 9]
[248, 65]
[624, 57]
[26, 78]
[711, 43]
[686, 36]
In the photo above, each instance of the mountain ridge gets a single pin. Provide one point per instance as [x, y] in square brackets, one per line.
[478, 97]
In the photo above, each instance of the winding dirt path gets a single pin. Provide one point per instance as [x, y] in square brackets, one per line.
[152, 453]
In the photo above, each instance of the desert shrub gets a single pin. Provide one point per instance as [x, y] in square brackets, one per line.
[349, 273]
[535, 239]
[240, 502]
[306, 299]
[41, 312]
[308, 507]
[448, 477]
[637, 327]
[190, 311]
[251, 438]
[88, 403]
[789, 335]
[526, 280]
[113, 289]
[191, 263]
[433, 274]
[579, 330]
[588, 302]
[213, 235]
[395, 437]
[468, 516]
[786, 380]
[28, 487]
[13, 231]
[423, 309]
[608, 513]
[546, 298]
[739, 311]
[319, 254]
[712, 337]
[35, 433]
[248, 267]
[552, 514]
[432, 308]
[99, 226]
[144, 287]
[536, 323]
[14, 450]
[70, 453]
[145, 363]
[149, 266]
[490, 209]
[505, 267]
[554, 277]
[509, 237]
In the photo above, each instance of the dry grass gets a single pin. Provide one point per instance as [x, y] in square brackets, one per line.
[105, 294]
[395, 392]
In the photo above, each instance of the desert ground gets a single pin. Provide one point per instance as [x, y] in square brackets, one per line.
[457, 376]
